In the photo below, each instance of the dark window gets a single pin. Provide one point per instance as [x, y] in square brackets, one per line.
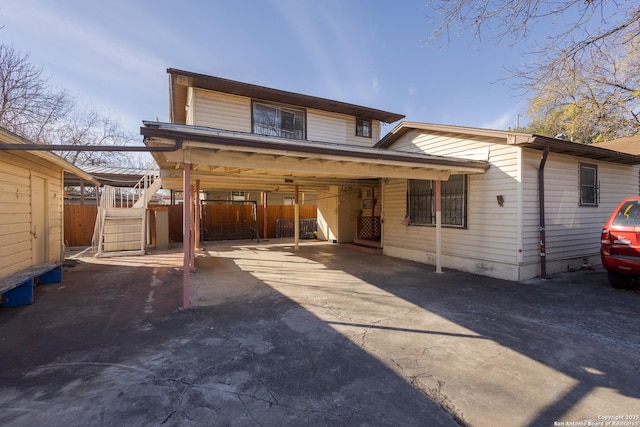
[273, 120]
[363, 127]
[629, 214]
[589, 185]
[422, 206]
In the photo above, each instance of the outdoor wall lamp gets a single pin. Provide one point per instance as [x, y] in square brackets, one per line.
[500, 198]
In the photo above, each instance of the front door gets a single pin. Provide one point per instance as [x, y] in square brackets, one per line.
[38, 220]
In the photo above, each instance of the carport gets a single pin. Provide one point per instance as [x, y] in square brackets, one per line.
[212, 159]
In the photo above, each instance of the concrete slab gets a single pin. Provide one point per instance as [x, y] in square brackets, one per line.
[318, 336]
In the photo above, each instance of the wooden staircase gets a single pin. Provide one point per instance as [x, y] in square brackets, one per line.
[121, 223]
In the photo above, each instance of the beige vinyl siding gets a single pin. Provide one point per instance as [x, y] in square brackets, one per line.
[444, 145]
[489, 244]
[233, 113]
[530, 209]
[218, 110]
[15, 220]
[337, 128]
[15, 210]
[56, 218]
[394, 209]
[572, 231]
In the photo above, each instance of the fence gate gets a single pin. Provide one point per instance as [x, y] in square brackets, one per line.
[228, 220]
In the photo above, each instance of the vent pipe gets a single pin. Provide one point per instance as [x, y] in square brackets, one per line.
[543, 250]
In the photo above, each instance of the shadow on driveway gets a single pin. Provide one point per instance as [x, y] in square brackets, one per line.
[318, 336]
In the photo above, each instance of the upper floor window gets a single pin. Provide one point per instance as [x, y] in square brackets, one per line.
[421, 201]
[363, 127]
[589, 185]
[274, 120]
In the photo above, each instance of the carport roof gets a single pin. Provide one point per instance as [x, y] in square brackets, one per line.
[262, 162]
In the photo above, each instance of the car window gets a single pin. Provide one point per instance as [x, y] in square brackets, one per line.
[629, 214]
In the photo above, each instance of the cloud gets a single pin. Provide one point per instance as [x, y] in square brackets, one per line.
[375, 84]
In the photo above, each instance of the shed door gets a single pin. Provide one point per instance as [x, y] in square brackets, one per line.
[38, 220]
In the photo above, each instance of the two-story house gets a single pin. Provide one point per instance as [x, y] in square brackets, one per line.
[472, 199]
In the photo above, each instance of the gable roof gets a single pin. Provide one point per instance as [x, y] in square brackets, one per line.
[8, 137]
[536, 142]
[180, 80]
[629, 144]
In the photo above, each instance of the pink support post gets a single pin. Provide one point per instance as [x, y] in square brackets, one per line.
[186, 237]
[192, 249]
[196, 216]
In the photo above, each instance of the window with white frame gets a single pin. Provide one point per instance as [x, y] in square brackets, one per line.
[589, 195]
[280, 121]
[422, 206]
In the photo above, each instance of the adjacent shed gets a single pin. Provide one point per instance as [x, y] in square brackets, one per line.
[31, 213]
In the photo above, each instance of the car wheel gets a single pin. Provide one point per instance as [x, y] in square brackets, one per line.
[617, 280]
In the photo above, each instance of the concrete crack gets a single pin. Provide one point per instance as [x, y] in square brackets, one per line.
[275, 400]
[437, 395]
[248, 410]
[188, 386]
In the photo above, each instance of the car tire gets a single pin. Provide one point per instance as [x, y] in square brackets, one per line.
[617, 280]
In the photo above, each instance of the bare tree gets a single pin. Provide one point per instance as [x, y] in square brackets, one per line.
[27, 106]
[90, 128]
[589, 66]
[580, 23]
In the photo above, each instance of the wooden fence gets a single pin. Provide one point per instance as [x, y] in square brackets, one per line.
[237, 214]
[79, 220]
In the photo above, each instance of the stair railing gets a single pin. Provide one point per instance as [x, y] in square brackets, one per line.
[141, 189]
[107, 201]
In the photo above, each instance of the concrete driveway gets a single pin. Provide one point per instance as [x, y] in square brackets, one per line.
[318, 336]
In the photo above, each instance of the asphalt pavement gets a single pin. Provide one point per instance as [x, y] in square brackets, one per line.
[317, 336]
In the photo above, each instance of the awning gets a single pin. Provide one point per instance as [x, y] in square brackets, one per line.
[223, 159]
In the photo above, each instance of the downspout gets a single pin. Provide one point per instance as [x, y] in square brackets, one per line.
[543, 253]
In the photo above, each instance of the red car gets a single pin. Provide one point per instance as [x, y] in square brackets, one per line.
[620, 244]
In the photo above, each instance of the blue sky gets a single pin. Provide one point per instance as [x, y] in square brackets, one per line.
[113, 55]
